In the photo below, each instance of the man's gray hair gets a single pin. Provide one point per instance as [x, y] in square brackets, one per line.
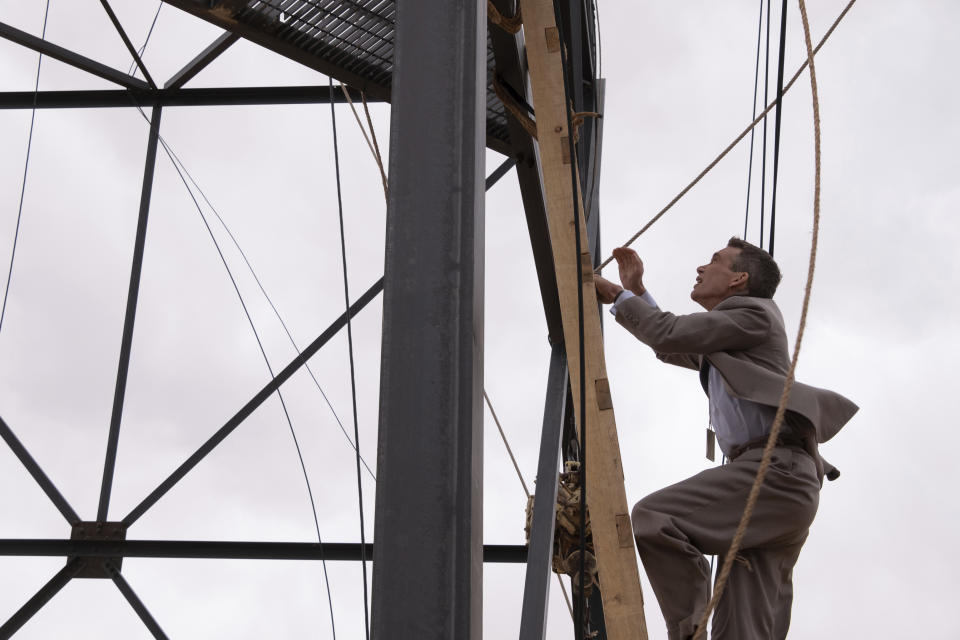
[759, 265]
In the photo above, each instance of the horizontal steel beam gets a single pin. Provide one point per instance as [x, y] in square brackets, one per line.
[74, 59]
[201, 97]
[224, 550]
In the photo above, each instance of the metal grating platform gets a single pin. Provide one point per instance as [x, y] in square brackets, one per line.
[350, 40]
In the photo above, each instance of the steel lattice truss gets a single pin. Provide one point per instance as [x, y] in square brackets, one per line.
[353, 42]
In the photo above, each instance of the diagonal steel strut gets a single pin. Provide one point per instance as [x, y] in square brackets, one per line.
[252, 405]
[45, 483]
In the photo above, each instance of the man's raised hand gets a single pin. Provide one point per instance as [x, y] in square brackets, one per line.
[631, 269]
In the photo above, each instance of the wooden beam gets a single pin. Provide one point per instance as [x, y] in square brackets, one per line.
[606, 496]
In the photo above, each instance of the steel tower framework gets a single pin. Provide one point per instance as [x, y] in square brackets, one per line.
[440, 65]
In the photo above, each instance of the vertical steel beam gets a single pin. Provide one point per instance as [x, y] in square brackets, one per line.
[591, 194]
[127, 339]
[428, 563]
[533, 617]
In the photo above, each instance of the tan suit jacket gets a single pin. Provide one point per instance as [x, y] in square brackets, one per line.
[743, 337]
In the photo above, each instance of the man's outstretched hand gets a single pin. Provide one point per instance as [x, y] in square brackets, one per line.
[631, 275]
[631, 269]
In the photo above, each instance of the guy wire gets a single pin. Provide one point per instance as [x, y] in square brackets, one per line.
[26, 165]
[766, 98]
[776, 126]
[353, 383]
[756, 82]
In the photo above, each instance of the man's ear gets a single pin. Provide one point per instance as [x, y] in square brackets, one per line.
[739, 281]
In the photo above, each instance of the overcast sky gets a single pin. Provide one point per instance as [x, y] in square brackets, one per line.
[881, 328]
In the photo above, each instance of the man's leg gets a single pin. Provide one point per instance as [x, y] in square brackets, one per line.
[757, 599]
[676, 526]
[781, 617]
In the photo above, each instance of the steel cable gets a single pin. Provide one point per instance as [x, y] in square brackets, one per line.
[776, 126]
[169, 150]
[353, 381]
[26, 166]
[132, 69]
[766, 98]
[756, 82]
[266, 360]
[736, 140]
[276, 312]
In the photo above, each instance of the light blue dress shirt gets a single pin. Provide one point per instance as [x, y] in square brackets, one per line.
[734, 420]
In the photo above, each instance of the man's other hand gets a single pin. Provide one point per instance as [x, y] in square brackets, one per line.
[631, 269]
[606, 291]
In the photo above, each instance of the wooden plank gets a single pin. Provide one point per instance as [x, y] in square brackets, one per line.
[606, 496]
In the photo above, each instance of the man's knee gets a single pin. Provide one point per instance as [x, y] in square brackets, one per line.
[646, 522]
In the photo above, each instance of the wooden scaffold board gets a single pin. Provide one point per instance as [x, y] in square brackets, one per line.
[606, 497]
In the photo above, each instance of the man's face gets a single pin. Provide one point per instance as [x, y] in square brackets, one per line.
[717, 280]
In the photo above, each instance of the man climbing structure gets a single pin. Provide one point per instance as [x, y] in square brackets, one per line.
[739, 347]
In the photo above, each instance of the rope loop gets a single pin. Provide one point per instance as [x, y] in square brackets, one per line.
[732, 553]
[512, 106]
[578, 118]
[509, 24]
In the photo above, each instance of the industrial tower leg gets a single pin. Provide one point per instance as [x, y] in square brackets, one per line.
[428, 563]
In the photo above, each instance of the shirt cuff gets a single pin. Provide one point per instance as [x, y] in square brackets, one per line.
[626, 295]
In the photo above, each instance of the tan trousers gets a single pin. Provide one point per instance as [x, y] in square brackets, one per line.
[676, 526]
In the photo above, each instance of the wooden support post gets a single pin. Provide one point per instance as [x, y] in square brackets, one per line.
[606, 496]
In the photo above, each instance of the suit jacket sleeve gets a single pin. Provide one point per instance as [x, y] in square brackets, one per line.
[687, 360]
[730, 329]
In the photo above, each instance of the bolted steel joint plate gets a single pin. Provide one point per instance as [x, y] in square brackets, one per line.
[98, 567]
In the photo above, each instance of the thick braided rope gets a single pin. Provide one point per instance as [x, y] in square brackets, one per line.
[730, 147]
[510, 24]
[511, 105]
[781, 409]
[374, 148]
